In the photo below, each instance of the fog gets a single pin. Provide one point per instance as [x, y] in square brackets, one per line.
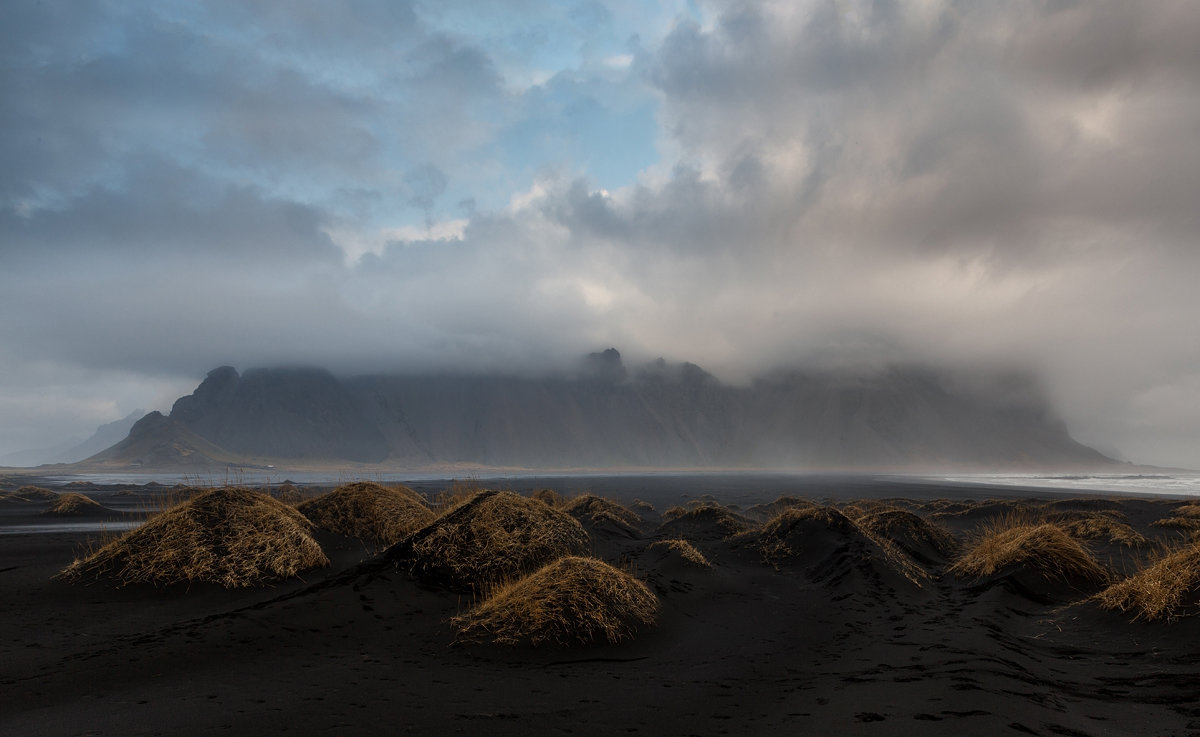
[430, 187]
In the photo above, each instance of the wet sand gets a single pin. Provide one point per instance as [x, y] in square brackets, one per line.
[824, 644]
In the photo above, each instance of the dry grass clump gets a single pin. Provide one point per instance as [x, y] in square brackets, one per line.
[1104, 526]
[1167, 589]
[288, 494]
[31, 494]
[369, 511]
[571, 600]
[778, 534]
[772, 509]
[549, 497]
[685, 550]
[456, 494]
[1038, 546]
[863, 507]
[493, 536]
[642, 508]
[705, 518]
[595, 511]
[811, 533]
[229, 536]
[776, 538]
[73, 504]
[1185, 517]
[912, 534]
[942, 509]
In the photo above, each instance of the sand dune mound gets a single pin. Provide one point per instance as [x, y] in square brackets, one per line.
[918, 538]
[1041, 558]
[603, 517]
[764, 512]
[550, 497]
[30, 494]
[808, 533]
[973, 511]
[74, 504]
[1103, 526]
[369, 512]
[491, 537]
[232, 537]
[1185, 517]
[703, 522]
[571, 600]
[1168, 588]
[288, 493]
[643, 509]
[830, 546]
[1083, 504]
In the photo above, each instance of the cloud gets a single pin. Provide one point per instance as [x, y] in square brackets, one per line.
[746, 186]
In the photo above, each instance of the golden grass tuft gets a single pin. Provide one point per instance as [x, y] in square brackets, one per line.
[493, 536]
[288, 494]
[454, 495]
[914, 535]
[72, 504]
[1034, 545]
[705, 516]
[571, 600]
[1184, 522]
[861, 508]
[1167, 588]
[596, 511]
[685, 550]
[773, 538]
[549, 497]
[230, 536]
[1105, 526]
[369, 511]
[642, 508]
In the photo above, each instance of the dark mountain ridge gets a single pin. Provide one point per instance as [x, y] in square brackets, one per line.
[658, 415]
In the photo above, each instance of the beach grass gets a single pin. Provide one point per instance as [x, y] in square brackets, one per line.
[572, 600]
[230, 536]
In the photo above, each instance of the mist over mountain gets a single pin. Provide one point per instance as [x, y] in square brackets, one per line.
[74, 449]
[606, 415]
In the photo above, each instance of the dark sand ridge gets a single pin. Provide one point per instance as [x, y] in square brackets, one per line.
[739, 648]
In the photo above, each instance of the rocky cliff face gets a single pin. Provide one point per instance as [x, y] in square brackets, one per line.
[656, 415]
[281, 413]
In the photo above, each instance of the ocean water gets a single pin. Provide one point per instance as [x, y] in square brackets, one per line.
[1176, 484]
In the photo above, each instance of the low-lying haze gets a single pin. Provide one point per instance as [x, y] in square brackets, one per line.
[477, 187]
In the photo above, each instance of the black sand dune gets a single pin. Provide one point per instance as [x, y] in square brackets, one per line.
[827, 642]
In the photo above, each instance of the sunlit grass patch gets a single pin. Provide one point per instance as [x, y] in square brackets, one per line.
[493, 536]
[71, 504]
[233, 537]
[1038, 546]
[369, 511]
[571, 600]
[1167, 588]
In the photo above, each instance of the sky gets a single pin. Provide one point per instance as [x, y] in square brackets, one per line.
[505, 186]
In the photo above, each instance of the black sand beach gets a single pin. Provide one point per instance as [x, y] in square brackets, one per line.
[821, 642]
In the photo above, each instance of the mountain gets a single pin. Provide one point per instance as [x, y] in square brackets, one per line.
[104, 437]
[664, 415]
[74, 449]
[159, 442]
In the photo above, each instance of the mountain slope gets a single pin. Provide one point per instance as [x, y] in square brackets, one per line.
[659, 415]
